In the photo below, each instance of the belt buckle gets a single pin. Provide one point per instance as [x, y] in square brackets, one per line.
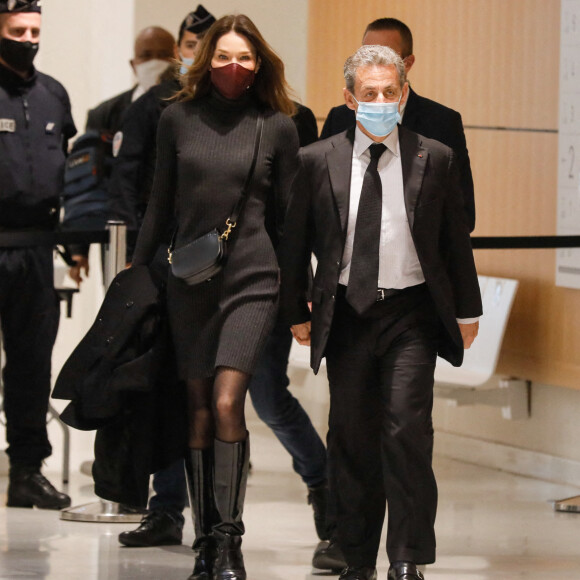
[380, 294]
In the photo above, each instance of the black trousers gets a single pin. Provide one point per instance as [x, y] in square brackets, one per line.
[380, 441]
[29, 315]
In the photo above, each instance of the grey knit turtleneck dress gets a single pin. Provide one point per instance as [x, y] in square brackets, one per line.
[204, 153]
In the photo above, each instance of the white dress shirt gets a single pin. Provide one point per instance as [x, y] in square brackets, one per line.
[399, 265]
[398, 262]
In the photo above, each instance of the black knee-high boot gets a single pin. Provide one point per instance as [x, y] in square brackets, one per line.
[231, 476]
[200, 487]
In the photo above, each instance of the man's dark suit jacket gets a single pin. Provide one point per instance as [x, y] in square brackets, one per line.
[317, 221]
[429, 119]
[108, 116]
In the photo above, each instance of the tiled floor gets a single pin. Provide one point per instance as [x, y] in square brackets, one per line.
[490, 525]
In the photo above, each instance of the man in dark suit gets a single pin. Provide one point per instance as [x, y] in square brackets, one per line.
[155, 49]
[154, 52]
[421, 115]
[395, 285]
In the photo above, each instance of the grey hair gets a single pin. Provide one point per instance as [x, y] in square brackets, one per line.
[372, 55]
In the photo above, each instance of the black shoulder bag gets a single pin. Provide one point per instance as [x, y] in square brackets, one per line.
[203, 258]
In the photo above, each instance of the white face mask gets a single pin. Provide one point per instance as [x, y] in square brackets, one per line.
[378, 119]
[148, 72]
[185, 64]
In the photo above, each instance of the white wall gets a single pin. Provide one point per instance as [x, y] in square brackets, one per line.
[87, 45]
[545, 445]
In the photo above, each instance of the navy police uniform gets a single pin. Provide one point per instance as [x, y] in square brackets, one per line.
[35, 125]
[134, 166]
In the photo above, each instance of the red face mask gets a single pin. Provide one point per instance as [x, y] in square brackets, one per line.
[232, 80]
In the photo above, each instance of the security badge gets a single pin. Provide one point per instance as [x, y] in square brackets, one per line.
[7, 126]
[117, 142]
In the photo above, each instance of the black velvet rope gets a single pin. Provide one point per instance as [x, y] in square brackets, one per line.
[22, 239]
[524, 242]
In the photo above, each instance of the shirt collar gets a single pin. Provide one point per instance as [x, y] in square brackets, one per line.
[362, 142]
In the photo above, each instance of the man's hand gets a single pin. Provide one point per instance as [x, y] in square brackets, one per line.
[301, 332]
[468, 333]
[75, 271]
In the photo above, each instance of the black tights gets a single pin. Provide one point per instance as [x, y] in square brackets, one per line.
[216, 408]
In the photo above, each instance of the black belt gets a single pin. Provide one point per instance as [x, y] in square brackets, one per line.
[382, 293]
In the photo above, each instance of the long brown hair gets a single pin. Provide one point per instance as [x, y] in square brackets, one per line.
[270, 86]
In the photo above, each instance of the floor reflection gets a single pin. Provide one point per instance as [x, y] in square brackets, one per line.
[490, 525]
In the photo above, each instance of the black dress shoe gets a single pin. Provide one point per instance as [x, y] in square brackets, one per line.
[157, 528]
[359, 573]
[404, 571]
[328, 556]
[28, 488]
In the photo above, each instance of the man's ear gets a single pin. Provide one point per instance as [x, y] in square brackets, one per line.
[409, 62]
[132, 63]
[349, 99]
[405, 95]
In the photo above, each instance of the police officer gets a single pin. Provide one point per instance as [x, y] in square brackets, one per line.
[154, 53]
[35, 125]
[135, 143]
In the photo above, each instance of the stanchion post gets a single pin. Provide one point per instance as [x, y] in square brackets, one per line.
[115, 250]
[107, 511]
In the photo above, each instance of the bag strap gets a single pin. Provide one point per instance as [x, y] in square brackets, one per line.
[232, 221]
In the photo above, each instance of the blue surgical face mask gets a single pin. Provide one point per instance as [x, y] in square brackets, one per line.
[379, 119]
[185, 64]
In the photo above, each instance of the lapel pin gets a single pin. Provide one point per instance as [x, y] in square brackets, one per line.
[420, 155]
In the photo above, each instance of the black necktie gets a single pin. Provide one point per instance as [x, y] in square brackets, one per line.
[361, 292]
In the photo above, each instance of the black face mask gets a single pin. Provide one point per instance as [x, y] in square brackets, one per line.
[18, 55]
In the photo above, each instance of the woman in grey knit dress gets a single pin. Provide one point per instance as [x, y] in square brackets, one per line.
[205, 145]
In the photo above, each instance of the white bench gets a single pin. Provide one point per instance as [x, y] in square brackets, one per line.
[475, 381]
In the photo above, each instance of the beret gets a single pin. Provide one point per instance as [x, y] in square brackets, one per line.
[197, 21]
[13, 6]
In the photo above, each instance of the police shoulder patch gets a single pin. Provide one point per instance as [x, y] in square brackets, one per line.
[7, 126]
